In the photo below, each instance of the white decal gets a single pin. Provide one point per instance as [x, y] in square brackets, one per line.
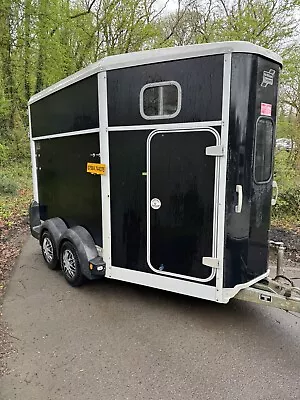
[268, 78]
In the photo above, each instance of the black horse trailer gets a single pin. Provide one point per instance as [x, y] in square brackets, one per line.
[156, 168]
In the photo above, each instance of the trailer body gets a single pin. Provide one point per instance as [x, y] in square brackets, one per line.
[165, 159]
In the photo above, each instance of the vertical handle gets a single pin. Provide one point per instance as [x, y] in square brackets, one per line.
[239, 190]
[274, 199]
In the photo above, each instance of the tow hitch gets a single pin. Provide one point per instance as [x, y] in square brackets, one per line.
[279, 292]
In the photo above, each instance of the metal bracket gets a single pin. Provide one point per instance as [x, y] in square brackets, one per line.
[211, 262]
[215, 151]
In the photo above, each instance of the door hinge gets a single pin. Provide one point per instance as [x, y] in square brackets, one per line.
[211, 262]
[215, 151]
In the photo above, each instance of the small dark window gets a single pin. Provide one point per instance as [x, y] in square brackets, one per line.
[160, 100]
[263, 150]
[151, 101]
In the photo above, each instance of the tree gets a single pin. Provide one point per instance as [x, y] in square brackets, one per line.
[269, 23]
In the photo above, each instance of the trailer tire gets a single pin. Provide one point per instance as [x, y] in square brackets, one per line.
[70, 264]
[49, 250]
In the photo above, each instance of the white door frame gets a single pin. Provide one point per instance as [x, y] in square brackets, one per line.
[215, 211]
[105, 179]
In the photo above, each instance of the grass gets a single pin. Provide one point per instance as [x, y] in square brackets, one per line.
[15, 192]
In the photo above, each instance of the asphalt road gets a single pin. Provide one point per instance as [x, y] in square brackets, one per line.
[112, 340]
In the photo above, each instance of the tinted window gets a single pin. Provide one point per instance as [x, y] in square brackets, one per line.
[151, 100]
[263, 150]
[160, 100]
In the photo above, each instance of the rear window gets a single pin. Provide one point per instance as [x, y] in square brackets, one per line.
[263, 150]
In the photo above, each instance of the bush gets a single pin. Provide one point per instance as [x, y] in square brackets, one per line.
[288, 204]
[4, 154]
[7, 185]
[288, 180]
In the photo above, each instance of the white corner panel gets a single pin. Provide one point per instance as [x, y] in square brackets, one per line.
[229, 293]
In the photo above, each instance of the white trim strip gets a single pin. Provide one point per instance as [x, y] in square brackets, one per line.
[33, 162]
[155, 56]
[105, 179]
[65, 134]
[216, 183]
[222, 176]
[193, 289]
[229, 293]
[180, 125]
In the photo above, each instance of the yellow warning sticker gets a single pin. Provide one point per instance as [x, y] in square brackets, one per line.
[96, 168]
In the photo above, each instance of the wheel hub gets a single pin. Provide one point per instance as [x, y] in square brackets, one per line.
[69, 263]
[48, 250]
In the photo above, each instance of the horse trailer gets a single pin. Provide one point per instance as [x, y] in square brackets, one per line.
[156, 168]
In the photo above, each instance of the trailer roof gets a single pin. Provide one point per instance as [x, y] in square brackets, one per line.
[156, 56]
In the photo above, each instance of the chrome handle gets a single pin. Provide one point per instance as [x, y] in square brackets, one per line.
[239, 190]
[274, 199]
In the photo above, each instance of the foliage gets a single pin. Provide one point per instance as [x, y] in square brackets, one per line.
[15, 192]
[7, 186]
[269, 23]
[287, 208]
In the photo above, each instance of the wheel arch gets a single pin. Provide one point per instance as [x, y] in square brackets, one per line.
[84, 244]
[56, 227]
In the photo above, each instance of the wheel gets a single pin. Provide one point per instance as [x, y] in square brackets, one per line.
[70, 264]
[49, 250]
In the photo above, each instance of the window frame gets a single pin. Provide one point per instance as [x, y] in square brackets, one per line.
[272, 150]
[161, 84]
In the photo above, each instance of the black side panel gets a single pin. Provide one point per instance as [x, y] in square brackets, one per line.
[200, 79]
[261, 193]
[66, 190]
[240, 149]
[182, 177]
[127, 153]
[71, 109]
[246, 250]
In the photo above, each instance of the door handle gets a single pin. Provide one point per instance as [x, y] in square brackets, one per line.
[274, 199]
[239, 190]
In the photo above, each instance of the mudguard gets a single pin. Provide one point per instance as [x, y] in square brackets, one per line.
[34, 219]
[85, 246]
[57, 227]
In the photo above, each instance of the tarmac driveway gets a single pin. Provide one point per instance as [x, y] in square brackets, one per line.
[113, 340]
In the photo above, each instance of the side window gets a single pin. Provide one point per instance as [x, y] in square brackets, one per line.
[263, 150]
[160, 100]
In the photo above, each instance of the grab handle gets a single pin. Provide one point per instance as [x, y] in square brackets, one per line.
[239, 190]
[274, 199]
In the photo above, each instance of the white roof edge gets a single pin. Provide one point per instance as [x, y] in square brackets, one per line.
[155, 56]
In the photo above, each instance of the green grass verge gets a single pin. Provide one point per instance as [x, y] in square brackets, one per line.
[15, 192]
